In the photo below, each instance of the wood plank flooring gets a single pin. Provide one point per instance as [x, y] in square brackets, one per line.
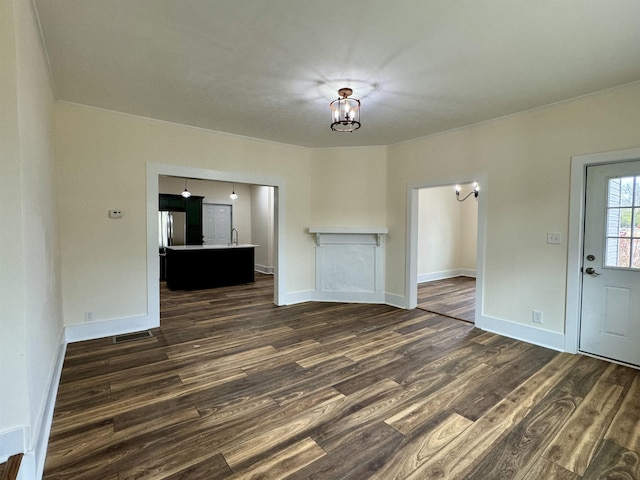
[9, 469]
[454, 297]
[232, 386]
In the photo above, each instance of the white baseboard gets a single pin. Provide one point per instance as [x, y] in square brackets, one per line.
[459, 272]
[106, 328]
[12, 442]
[264, 269]
[298, 297]
[398, 301]
[35, 461]
[348, 297]
[526, 333]
[18, 440]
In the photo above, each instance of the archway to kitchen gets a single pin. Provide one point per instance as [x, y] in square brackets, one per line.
[155, 171]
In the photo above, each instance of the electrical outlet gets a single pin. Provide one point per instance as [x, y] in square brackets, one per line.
[536, 316]
[88, 316]
[115, 213]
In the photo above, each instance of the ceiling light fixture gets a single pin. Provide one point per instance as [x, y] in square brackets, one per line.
[474, 192]
[186, 193]
[345, 112]
[234, 195]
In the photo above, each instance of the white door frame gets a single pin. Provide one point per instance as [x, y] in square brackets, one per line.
[411, 268]
[153, 171]
[575, 242]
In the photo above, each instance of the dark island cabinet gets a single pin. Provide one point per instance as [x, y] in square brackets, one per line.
[190, 268]
[192, 206]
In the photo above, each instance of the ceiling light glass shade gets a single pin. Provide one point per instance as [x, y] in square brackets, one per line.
[345, 112]
[186, 193]
[234, 195]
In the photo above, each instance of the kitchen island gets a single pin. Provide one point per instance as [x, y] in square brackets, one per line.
[191, 267]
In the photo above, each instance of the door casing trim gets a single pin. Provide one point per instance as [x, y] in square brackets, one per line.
[575, 239]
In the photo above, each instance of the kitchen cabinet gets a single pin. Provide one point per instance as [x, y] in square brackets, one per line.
[194, 221]
[169, 202]
[192, 206]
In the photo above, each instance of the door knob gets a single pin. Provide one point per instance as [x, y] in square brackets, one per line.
[591, 271]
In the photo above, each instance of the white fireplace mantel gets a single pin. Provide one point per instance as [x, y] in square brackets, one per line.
[349, 264]
[325, 234]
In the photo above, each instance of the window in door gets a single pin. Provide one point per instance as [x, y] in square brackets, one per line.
[622, 246]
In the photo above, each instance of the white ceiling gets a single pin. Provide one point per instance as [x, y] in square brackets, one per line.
[269, 68]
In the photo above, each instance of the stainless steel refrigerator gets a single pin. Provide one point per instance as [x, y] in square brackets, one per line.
[172, 231]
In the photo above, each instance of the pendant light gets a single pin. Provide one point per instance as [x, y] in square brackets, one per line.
[186, 193]
[345, 112]
[234, 195]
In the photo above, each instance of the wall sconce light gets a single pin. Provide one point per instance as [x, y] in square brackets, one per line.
[186, 193]
[234, 195]
[345, 112]
[474, 192]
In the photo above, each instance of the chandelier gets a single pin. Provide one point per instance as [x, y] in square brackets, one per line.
[345, 112]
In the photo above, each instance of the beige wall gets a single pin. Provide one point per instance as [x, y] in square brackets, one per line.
[348, 187]
[101, 165]
[526, 159]
[29, 273]
[13, 409]
[446, 232]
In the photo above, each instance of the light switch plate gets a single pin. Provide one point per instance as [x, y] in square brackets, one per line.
[115, 213]
[554, 238]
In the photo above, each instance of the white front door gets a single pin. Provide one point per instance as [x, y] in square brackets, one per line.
[216, 224]
[610, 310]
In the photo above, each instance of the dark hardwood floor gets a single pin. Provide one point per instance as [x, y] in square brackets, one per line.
[454, 297]
[232, 386]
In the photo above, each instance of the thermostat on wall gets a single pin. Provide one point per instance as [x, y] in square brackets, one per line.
[115, 213]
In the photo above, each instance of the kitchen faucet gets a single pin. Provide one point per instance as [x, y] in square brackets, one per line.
[236, 240]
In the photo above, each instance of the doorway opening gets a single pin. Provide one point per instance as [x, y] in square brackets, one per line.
[445, 248]
[447, 251]
[221, 217]
[244, 183]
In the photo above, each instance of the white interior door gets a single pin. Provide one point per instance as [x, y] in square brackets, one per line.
[216, 224]
[610, 310]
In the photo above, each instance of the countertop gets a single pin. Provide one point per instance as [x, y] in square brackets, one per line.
[211, 247]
